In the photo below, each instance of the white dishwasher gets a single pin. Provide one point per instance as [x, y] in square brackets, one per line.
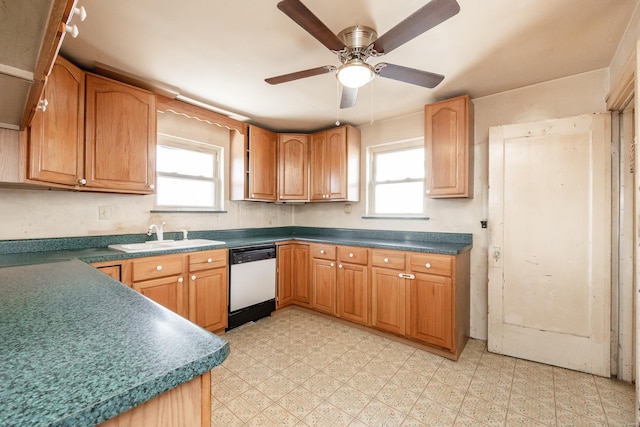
[252, 284]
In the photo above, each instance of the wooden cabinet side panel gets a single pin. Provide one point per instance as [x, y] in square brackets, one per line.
[120, 136]
[462, 299]
[238, 167]
[56, 135]
[293, 167]
[262, 164]
[178, 407]
[353, 164]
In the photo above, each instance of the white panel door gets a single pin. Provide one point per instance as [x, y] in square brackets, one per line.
[550, 242]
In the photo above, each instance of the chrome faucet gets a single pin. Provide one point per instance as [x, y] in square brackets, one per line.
[159, 231]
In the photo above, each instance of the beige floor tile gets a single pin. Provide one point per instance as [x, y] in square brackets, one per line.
[465, 421]
[317, 360]
[432, 413]
[565, 418]
[444, 395]
[622, 399]
[223, 417]
[528, 387]
[579, 405]
[276, 386]
[358, 356]
[490, 392]
[619, 417]
[534, 372]
[499, 377]
[381, 368]
[300, 402]
[536, 410]
[322, 385]
[367, 383]
[279, 361]
[515, 419]
[229, 388]
[274, 415]
[397, 397]
[483, 411]
[349, 400]
[377, 414]
[411, 380]
[327, 415]
[298, 372]
[454, 378]
[412, 422]
[256, 373]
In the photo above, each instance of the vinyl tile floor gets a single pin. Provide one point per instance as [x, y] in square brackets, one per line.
[300, 369]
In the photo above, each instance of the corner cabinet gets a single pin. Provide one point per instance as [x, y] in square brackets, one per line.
[120, 136]
[448, 131]
[335, 165]
[254, 165]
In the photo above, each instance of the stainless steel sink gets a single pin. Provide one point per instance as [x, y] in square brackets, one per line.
[164, 245]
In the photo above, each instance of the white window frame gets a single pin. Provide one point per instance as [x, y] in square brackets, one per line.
[177, 142]
[371, 169]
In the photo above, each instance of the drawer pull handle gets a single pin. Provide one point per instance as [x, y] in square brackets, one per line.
[406, 276]
[427, 265]
[209, 260]
[350, 255]
[180, 280]
[386, 260]
[322, 251]
[159, 268]
[193, 277]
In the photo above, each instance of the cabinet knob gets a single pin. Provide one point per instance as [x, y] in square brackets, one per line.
[253, 196]
[386, 260]
[332, 264]
[82, 181]
[350, 255]
[152, 186]
[339, 265]
[193, 277]
[159, 267]
[322, 251]
[209, 260]
[180, 280]
[427, 265]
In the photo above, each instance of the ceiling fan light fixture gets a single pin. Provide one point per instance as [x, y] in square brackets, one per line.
[355, 73]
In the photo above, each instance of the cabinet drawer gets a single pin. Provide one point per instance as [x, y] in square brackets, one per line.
[154, 267]
[323, 251]
[389, 259]
[205, 260]
[432, 264]
[353, 255]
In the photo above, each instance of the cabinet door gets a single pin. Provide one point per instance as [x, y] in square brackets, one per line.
[262, 164]
[335, 168]
[293, 167]
[430, 312]
[388, 300]
[120, 136]
[208, 299]
[448, 153]
[167, 291]
[353, 292]
[324, 286]
[285, 275]
[56, 135]
[317, 166]
[301, 282]
[112, 271]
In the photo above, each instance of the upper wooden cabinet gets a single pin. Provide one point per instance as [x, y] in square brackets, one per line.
[120, 136]
[56, 134]
[335, 165]
[253, 165]
[293, 167]
[449, 148]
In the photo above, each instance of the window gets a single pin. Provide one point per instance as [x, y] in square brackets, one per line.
[396, 179]
[188, 174]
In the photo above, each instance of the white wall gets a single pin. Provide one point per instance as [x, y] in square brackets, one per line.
[565, 97]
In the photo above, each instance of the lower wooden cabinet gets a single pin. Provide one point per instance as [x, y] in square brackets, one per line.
[293, 275]
[353, 292]
[208, 299]
[166, 291]
[430, 310]
[323, 274]
[388, 300]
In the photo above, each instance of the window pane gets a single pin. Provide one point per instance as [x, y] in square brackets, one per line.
[184, 192]
[184, 162]
[403, 198]
[398, 165]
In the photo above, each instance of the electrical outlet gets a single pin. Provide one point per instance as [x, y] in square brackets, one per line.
[103, 212]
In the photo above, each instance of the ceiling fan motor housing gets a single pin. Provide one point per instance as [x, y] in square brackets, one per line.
[357, 40]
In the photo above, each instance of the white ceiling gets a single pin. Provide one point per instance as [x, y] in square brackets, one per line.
[221, 51]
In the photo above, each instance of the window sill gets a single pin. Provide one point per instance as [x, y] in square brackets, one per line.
[201, 211]
[420, 218]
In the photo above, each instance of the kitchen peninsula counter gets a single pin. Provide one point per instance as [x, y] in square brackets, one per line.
[79, 348]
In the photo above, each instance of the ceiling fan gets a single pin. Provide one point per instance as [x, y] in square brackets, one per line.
[356, 45]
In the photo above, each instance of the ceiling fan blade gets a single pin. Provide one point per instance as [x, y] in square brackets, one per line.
[302, 16]
[425, 18]
[409, 75]
[349, 97]
[300, 75]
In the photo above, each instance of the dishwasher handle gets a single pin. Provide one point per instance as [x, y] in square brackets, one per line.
[244, 255]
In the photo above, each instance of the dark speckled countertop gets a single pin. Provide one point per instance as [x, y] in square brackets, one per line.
[94, 248]
[78, 348]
